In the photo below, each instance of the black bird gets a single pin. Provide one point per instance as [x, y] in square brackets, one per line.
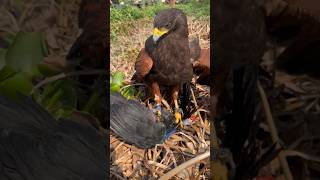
[35, 146]
[136, 124]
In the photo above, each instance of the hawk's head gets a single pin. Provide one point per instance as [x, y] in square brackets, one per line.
[168, 20]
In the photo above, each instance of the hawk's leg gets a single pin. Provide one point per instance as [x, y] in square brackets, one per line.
[178, 111]
[157, 98]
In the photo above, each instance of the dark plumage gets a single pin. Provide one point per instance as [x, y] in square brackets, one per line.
[144, 64]
[195, 49]
[169, 63]
[239, 43]
[136, 124]
[34, 146]
[296, 24]
[170, 53]
[200, 59]
[90, 48]
[240, 36]
[201, 67]
[89, 53]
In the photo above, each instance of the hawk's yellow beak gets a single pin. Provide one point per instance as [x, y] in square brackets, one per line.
[157, 33]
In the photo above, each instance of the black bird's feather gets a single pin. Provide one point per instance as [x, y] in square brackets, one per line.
[34, 146]
[136, 124]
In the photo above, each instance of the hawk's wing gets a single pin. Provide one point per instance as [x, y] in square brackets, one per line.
[201, 67]
[143, 65]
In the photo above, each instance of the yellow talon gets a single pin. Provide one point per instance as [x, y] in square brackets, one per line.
[158, 115]
[178, 117]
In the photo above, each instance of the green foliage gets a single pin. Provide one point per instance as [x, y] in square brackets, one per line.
[22, 63]
[116, 81]
[117, 85]
[48, 70]
[18, 63]
[14, 85]
[25, 52]
[196, 9]
[122, 19]
[59, 98]
[128, 13]
[129, 92]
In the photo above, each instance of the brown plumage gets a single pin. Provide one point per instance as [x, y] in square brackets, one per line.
[166, 56]
[239, 39]
[200, 59]
[90, 48]
[142, 66]
[195, 49]
[201, 67]
[296, 24]
[90, 51]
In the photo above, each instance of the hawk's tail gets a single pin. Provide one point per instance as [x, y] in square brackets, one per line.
[186, 104]
[240, 127]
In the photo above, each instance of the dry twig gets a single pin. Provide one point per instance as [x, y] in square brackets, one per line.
[273, 131]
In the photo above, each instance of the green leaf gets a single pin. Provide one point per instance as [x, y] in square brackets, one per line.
[69, 97]
[48, 92]
[110, 80]
[52, 65]
[118, 78]
[63, 112]
[48, 70]
[129, 92]
[59, 98]
[114, 88]
[26, 51]
[54, 100]
[8, 38]
[89, 107]
[65, 87]
[18, 83]
[6, 72]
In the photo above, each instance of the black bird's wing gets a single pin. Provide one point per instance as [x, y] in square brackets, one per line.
[26, 115]
[134, 122]
[34, 146]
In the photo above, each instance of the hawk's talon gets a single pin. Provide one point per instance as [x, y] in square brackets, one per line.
[178, 117]
[157, 110]
[180, 111]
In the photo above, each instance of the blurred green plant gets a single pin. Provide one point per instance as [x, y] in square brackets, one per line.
[117, 84]
[22, 65]
[18, 63]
